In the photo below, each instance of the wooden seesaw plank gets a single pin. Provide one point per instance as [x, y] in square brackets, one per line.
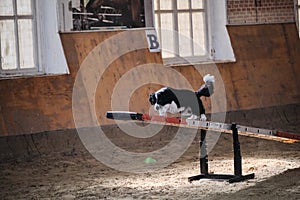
[206, 125]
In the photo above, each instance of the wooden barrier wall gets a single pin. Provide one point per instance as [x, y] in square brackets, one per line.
[266, 74]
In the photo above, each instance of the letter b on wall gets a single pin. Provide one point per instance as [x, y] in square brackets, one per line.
[152, 39]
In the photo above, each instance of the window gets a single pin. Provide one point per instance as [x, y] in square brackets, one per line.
[182, 29]
[18, 37]
[110, 14]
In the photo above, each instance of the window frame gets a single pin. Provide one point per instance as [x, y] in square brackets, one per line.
[35, 69]
[297, 15]
[193, 59]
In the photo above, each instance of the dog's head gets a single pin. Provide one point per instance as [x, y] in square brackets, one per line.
[152, 98]
[160, 99]
[156, 102]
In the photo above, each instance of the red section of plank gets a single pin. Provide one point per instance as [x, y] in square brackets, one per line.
[175, 120]
[158, 118]
[288, 135]
[146, 117]
[172, 120]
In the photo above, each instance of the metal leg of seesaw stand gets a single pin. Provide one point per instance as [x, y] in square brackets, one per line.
[237, 176]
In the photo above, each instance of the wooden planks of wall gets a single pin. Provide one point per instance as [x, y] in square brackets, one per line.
[266, 74]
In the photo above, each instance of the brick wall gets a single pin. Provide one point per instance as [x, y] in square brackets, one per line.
[260, 11]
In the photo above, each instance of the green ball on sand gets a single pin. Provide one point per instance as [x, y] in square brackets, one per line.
[149, 160]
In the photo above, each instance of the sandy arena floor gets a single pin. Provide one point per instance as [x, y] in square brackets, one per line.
[58, 176]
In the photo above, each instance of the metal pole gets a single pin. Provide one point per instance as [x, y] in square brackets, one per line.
[82, 17]
[203, 153]
[237, 151]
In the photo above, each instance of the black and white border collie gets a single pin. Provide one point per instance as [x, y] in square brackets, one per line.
[185, 102]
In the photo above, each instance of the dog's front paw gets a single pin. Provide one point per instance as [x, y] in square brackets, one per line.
[162, 113]
[203, 117]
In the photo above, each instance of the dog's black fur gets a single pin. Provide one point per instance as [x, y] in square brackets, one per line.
[181, 97]
[184, 99]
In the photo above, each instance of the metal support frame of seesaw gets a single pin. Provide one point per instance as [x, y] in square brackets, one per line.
[214, 126]
[237, 176]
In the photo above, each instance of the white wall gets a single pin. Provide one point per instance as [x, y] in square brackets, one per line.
[220, 40]
[52, 57]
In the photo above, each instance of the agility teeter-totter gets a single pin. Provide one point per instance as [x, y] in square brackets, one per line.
[213, 126]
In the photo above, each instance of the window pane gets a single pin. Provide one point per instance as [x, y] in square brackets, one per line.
[184, 30]
[24, 7]
[166, 4]
[6, 7]
[156, 4]
[182, 4]
[199, 33]
[26, 44]
[167, 35]
[197, 4]
[8, 45]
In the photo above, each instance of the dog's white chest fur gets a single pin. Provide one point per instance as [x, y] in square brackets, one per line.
[171, 108]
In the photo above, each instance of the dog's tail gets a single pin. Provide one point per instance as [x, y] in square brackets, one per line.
[207, 88]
